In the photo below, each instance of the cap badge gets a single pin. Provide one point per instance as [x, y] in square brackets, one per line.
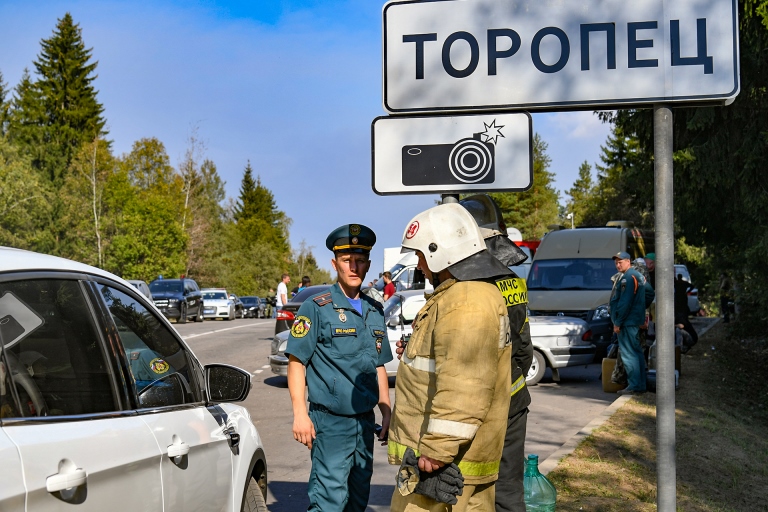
[354, 240]
[412, 230]
[354, 229]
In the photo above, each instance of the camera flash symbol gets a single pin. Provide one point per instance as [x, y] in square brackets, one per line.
[492, 132]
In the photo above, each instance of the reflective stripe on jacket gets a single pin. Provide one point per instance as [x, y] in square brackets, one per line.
[454, 381]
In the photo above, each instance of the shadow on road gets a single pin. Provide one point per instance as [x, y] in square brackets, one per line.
[277, 382]
[292, 496]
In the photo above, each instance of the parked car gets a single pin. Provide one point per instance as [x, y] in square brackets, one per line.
[142, 286]
[287, 314]
[571, 273]
[106, 407]
[239, 306]
[693, 295]
[178, 299]
[218, 304]
[558, 342]
[254, 306]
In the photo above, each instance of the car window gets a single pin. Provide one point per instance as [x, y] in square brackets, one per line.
[308, 292]
[215, 295]
[159, 365]
[52, 345]
[571, 274]
[165, 287]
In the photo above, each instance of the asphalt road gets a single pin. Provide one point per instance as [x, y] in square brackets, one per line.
[559, 410]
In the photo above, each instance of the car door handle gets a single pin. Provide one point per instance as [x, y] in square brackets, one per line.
[66, 479]
[178, 449]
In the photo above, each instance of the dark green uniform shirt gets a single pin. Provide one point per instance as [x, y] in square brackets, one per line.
[341, 349]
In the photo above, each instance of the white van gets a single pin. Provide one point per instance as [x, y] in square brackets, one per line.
[571, 273]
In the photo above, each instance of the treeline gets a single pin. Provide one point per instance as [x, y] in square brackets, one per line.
[720, 192]
[64, 192]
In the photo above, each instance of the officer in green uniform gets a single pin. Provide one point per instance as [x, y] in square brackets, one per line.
[339, 342]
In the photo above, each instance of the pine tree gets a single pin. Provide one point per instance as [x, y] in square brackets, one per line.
[581, 194]
[257, 216]
[246, 205]
[5, 106]
[59, 112]
[535, 209]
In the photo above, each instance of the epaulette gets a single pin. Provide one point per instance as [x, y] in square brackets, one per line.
[322, 300]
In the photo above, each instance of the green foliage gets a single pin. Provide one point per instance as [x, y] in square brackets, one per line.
[720, 154]
[535, 209]
[582, 194]
[5, 106]
[622, 191]
[25, 200]
[59, 112]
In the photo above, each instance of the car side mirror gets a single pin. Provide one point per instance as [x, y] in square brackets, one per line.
[169, 390]
[225, 383]
[393, 321]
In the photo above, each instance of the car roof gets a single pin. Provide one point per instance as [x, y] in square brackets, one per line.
[14, 260]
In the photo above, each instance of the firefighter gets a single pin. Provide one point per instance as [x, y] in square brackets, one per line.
[509, 486]
[453, 382]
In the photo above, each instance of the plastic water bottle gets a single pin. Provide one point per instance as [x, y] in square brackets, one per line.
[540, 494]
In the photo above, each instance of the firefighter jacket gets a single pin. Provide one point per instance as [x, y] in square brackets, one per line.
[453, 382]
[628, 299]
[515, 293]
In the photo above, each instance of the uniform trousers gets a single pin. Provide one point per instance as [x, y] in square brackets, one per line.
[342, 461]
[474, 498]
[509, 486]
[633, 357]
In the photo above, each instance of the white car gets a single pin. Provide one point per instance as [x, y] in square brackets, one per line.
[557, 341]
[217, 304]
[104, 407]
[693, 295]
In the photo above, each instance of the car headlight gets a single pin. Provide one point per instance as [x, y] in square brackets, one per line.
[602, 312]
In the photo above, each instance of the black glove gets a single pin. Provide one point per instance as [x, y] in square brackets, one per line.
[442, 485]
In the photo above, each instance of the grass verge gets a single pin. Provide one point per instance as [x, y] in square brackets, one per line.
[721, 438]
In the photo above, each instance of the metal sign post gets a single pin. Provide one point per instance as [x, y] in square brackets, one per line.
[665, 315]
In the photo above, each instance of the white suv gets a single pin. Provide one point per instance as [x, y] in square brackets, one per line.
[103, 406]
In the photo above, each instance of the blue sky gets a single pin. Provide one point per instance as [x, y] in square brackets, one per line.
[290, 85]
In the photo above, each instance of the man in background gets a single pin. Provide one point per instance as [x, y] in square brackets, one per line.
[628, 314]
[282, 291]
[389, 287]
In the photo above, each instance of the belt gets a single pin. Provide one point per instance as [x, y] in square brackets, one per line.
[321, 408]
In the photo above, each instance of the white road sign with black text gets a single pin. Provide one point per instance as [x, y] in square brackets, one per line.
[554, 55]
[452, 154]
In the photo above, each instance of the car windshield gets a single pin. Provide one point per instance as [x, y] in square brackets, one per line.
[392, 306]
[682, 269]
[248, 301]
[165, 287]
[215, 295]
[571, 274]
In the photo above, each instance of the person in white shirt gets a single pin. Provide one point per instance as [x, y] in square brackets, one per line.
[282, 291]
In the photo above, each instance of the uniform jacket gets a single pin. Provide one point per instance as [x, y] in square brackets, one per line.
[628, 299]
[453, 382]
[341, 350]
[515, 293]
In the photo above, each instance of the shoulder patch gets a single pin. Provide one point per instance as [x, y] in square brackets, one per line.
[322, 300]
[514, 290]
[300, 327]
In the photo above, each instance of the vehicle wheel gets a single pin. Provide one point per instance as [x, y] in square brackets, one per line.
[199, 317]
[253, 501]
[537, 369]
[183, 315]
[231, 315]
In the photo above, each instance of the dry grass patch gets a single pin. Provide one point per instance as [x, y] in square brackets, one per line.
[721, 435]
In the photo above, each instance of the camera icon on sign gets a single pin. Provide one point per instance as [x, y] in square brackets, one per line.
[468, 161]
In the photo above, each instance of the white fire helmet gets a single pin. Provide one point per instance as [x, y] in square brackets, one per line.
[445, 234]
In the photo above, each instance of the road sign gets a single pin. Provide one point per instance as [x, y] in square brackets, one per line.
[557, 55]
[452, 154]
